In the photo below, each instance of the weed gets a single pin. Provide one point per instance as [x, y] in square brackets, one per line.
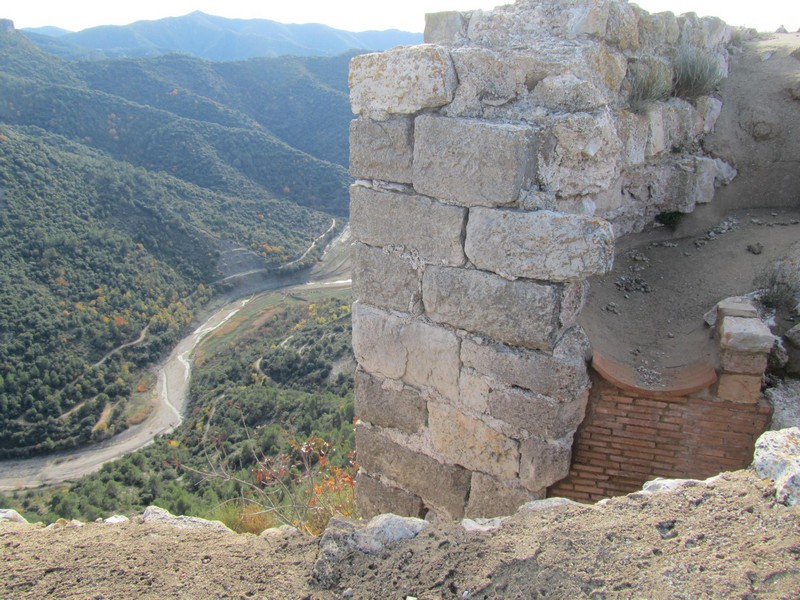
[650, 81]
[779, 286]
[697, 73]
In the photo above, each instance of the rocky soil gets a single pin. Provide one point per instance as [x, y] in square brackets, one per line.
[725, 538]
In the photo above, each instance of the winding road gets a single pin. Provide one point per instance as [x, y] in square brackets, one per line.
[173, 374]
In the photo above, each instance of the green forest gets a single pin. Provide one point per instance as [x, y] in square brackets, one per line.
[121, 183]
[286, 376]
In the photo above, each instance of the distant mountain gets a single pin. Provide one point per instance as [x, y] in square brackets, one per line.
[214, 38]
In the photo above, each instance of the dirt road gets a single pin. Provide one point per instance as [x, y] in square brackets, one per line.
[173, 383]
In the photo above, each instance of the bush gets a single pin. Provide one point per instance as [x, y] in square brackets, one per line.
[697, 73]
[779, 286]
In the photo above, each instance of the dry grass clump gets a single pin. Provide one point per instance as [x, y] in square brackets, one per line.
[697, 73]
[650, 81]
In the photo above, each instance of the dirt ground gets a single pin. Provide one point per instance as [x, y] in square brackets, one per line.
[649, 312]
[727, 539]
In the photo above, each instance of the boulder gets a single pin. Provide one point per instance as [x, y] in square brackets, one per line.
[777, 457]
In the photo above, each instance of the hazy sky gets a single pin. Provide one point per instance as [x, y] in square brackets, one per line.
[352, 15]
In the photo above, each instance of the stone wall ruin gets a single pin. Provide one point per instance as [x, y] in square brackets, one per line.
[495, 164]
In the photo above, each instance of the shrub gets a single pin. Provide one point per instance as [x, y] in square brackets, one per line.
[697, 73]
[779, 286]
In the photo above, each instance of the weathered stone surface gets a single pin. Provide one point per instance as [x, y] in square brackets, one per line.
[567, 93]
[743, 362]
[467, 441]
[560, 379]
[777, 457]
[742, 389]
[542, 245]
[116, 520]
[343, 536]
[679, 118]
[579, 155]
[472, 162]
[543, 462]
[382, 149]
[632, 130]
[389, 403]
[375, 498]
[735, 307]
[441, 487]
[485, 82]
[534, 413]
[547, 504]
[622, 27]
[432, 230]
[422, 355]
[154, 514]
[785, 401]
[708, 111]
[404, 80]
[523, 313]
[745, 335]
[793, 336]
[489, 497]
[703, 185]
[9, 514]
[385, 279]
[657, 137]
[448, 27]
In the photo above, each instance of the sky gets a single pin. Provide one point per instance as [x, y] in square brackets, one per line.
[352, 15]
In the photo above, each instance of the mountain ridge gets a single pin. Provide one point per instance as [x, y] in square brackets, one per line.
[214, 38]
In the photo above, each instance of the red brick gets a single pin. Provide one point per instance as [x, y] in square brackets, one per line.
[669, 427]
[595, 429]
[588, 468]
[651, 403]
[588, 490]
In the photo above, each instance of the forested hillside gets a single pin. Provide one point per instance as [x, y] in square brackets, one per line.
[120, 182]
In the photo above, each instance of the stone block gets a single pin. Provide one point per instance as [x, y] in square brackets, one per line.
[707, 113]
[382, 149]
[742, 389]
[389, 403]
[732, 307]
[384, 279]
[489, 497]
[532, 413]
[743, 362]
[679, 118]
[375, 498]
[542, 245]
[745, 335]
[562, 379]
[521, 313]
[622, 28]
[485, 82]
[448, 27]
[793, 336]
[419, 354]
[544, 462]
[403, 80]
[657, 134]
[431, 230]
[703, 185]
[441, 487]
[567, 93]
[632, 130]
[579, 155]
[473, 163]
[467, 441]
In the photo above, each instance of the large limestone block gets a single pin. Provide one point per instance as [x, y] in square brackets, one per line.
[522, 313]
[441, 487]
[467, 441]
[579, 155]
[657, 132]
[489, 497]
[707, 113]
[431, 230]
[389, 403]
[742, 389]
[448, 27]
[622, 27]
[657, 30]
[777, 457]
[632, 130]
[385, 279]
[745, 335]
[382, 149]
[544, 462]
[522, 412]
[404, 80]
[419, 354]
[473, 163]
[375, 498]
[485, 81]
[562, 379]
[567, 93]
[541, 245]
[679, 122]
[703, 185]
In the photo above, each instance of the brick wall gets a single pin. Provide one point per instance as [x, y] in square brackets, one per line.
[627, 439]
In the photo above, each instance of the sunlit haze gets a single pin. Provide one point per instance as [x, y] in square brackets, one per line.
[353, 15]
